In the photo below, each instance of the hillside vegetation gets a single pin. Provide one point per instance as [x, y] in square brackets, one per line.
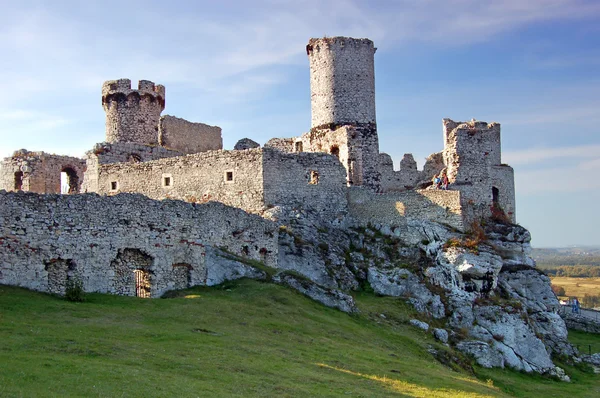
[239, 339]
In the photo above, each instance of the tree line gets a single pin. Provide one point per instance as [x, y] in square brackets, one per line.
[571, 271]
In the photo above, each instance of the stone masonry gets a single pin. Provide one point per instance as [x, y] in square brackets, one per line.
[334, 170]
[40, 172]
[132, 115]
[47, 239]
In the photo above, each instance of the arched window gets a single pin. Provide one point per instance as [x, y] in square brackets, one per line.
[69, 181]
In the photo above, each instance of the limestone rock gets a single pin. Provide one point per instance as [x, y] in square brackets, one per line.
[483, 353]
[513, 337]
[399, 282]
[441, 335]
[330, 297]
[420, 324]
[246, 143]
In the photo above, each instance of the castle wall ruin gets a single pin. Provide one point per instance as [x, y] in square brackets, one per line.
[187, 137]
[45, 240]
[234, 178]
[40, 172]
[314, 181]
[396, 208]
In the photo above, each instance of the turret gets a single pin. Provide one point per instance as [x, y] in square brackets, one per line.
[342, 80]
[342, 90]
[132, 115]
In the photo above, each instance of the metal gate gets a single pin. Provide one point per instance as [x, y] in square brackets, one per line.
[142, 283]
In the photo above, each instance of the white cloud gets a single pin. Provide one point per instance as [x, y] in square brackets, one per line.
[537, 155]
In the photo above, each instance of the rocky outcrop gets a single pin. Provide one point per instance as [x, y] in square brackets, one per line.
[400, 282]
[330, 297]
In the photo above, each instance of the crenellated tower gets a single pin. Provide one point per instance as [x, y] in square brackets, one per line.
[132, 115]
[342, 89]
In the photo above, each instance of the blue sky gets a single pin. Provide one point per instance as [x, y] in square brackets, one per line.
[530, 65]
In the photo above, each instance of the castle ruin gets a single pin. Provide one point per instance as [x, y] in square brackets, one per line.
[335, 170]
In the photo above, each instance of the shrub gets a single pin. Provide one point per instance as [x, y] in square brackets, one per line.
[558, 290]
[74, 290]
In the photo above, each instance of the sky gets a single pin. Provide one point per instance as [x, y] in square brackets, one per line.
[532, 66]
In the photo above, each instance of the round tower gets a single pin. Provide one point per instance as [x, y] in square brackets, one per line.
[132, 115]
[342, 81]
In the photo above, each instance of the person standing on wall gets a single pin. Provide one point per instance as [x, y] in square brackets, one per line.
[445, 181]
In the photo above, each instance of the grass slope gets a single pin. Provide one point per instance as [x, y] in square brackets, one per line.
[242, 339]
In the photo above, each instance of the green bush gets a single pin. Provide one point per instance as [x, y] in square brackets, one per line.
[74, 290]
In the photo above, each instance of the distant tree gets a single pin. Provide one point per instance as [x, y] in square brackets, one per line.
[558, 290]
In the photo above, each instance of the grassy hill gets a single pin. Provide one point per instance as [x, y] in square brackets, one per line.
[240, 339]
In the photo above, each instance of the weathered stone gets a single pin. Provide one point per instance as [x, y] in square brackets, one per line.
[420, 324]
[330, 297]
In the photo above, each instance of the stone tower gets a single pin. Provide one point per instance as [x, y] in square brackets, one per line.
[342, 89]
[132, 115]
[342, 80]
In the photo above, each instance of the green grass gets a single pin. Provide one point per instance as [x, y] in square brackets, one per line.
[585, 341]
[241, 339]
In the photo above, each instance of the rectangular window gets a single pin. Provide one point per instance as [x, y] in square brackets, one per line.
[167, 180]
[114, 185]
[314, 177]
[229, 176]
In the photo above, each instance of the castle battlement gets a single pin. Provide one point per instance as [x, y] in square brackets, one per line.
[122, 87]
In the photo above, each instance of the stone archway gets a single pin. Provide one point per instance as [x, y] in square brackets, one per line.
[69, 180]
[133, 275]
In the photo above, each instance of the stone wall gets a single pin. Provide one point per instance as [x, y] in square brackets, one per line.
[356, 146]
[47, 239]
[132, 115]
[120, 152]
[313, 181]
[342, 80]
[231, 177]
[282, 144]
[472, 155]
[187, 137]
[396, 207]
[407, 178]
[40, 172]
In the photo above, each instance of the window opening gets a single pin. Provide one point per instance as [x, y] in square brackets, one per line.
[335, 151]
[114, 185]
[495, 196]
[69, 182]
[229, 176]
[18, 180]
[167, 181]
[299, 146]
[314, 177]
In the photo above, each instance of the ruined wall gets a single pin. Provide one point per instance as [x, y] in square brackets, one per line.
[407, 178]
[309, 180]
[40, 172]
[342, 80]
[132, 115]
[187, 137]
[503, 178]
[231, 177]
[395, 208]
[47, 239]
[282, 144]
[472, 155]
[357, 148]
[120, 152]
